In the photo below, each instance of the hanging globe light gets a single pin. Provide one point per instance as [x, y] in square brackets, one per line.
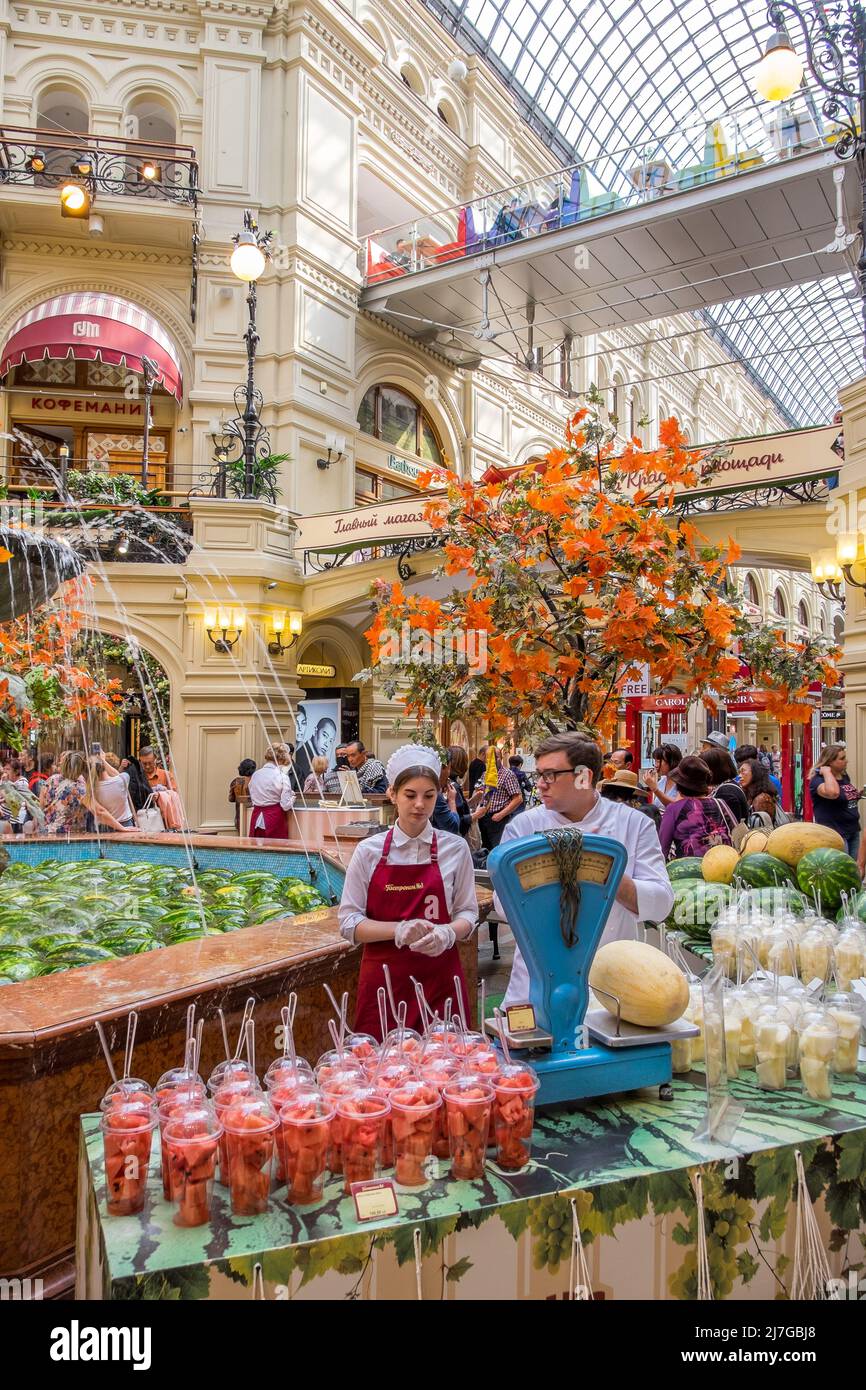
[247, 259]
[780, 71]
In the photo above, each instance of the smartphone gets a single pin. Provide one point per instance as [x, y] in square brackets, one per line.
[96, 747]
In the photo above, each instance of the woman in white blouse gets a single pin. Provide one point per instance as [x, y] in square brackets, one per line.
[409, 897]
[271, 794]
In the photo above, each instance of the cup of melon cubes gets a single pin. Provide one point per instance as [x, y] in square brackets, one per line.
[362, 1116]
[250, 1126]
[468, 1105]
[190, 1140]
[414, 1107]
[127, 1134]
[514, 1090]
[304, 1137]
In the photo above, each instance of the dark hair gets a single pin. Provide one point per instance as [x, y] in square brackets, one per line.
[356, 743]
[46, 761]
[458, 761]
[628, 755]
[668, 753]
[759, 782]
[409, 772]
[246, 767]
[692, 776]
[721, 765]
[745, 750]
[515, 760]
[580, 751]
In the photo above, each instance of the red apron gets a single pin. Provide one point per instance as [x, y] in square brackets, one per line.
[396, 893]
[269, 822]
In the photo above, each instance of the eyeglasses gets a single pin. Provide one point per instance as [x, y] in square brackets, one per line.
[545, 779]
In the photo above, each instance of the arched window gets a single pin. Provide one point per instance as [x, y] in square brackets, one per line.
[394, 417]
[150, 118]
[750, 590]
[445, 116]
[779, 604]
[839, 629]
[63, 111]
[803, 614]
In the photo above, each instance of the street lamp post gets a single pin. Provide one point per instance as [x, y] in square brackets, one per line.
[251, 254]
[835, 37]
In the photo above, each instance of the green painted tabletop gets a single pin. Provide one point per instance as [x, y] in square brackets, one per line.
[577, 1146]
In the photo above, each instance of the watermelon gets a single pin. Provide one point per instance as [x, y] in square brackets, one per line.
[763, 871]
[684, 868]
[830, 873]
[697, 906]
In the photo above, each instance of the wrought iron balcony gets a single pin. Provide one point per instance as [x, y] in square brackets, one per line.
[104, 164]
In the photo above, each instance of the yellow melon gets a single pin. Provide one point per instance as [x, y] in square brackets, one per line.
[755, 842]
[652, 991]
[718, 864]
[791, 842]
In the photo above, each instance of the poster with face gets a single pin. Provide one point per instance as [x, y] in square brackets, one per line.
[650, 736]
[316, 733]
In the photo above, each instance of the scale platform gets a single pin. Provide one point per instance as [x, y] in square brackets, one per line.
[572, 1063]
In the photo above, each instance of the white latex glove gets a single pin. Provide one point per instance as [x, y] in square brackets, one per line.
[411, 930]
[438, 939]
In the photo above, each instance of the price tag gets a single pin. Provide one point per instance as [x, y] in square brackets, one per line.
[520, 1018]
[374, 1200]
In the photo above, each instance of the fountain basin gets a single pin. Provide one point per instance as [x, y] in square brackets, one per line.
[36, 568]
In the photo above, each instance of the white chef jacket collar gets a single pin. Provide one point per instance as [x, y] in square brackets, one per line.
[400, 837]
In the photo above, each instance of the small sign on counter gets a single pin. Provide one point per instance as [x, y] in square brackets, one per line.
[374, 1200]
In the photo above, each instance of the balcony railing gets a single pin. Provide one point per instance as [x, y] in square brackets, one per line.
[107, 164]
[686, 158]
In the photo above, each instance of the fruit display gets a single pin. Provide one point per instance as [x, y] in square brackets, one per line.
[58, 915]
[825, 874]
[468, 1103]
[652, 990]
[697, 906]
[362, 1120]
[250, 1126]
[514, 1091]
[127, 1133]
[414, 1108]
[304, 1137]
[719, 863]
[763, 871]
[790, 842]
[681, 869]
[818, 1039]
[190, 1141]
[844, 1010]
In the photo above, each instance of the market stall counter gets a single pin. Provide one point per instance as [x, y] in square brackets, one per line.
[610, 1162]
[51, 1067]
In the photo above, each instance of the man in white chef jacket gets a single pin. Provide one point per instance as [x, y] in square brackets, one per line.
[568, 767]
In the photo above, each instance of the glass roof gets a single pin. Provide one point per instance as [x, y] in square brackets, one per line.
[594, 78]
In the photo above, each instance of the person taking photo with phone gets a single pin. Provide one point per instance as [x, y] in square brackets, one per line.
[568, 768]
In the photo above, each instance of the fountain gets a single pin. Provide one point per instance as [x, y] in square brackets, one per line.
[33, 571]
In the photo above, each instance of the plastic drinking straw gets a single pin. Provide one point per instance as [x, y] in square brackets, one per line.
[131, 1029]
[334, 1005]
[387, 973]
[500, 1028]
[190, 1027]
[105, 1052]
[336, 1039]
[344, 1014]
[458, 994]
[818, 901]
[199, 1029]
[248, 1013]
[401, 1024]
[424, 1009]
[225, 1033]
[383, 1011]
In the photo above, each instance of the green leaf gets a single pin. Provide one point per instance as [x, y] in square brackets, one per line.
[852, 1156]
[682, 1235]
[748, 1266]
[843, 1205]
[670, 1192]
[456, 1271]
[515, 1218]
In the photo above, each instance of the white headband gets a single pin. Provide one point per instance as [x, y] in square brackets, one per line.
[412, 755]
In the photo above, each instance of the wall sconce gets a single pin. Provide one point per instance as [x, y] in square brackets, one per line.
[224, 621]
[36, 162]
[82, 166]
[278, 626]
[827, 575]
[850, 562]
[336, 445]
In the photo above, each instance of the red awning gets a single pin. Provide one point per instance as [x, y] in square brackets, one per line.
[94, 328]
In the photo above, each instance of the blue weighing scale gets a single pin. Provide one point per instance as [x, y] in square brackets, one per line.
[571, 1062]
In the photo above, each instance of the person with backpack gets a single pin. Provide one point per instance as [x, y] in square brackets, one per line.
[698, 821]
[759, 792]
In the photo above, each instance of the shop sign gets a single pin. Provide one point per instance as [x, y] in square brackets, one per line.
[746, 702]
[763, 461]
[374, 525]
[309, 668]
[629, 690]
[673, 704]
[76, 406]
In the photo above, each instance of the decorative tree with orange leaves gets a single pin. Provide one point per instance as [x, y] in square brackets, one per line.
[569, 574]
[40, 679]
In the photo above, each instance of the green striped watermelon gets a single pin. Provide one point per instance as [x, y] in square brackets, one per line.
[697, 906]
[828, 873]
[763, 871]
[684, 868]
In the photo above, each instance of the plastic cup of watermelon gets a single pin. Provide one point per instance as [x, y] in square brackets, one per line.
[362, 1119]
[305, 1137]
[284, 1069]
[279, 1094]
[514, 1115]
[228, 1071]
[438, 1070]
[395, 1072]
[468, 1105]
[407, 1044]
[176, 1079]
[239, 1088]
[127, 1135]
[191, 1141]
[174, 1104]
[129, 1090]
[332, 1064]
[465, 1044]
[250, 1126]
[414, 1107]
[337, 1087]
[362, 1047]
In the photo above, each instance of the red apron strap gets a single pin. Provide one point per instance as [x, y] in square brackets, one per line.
[386, 848]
